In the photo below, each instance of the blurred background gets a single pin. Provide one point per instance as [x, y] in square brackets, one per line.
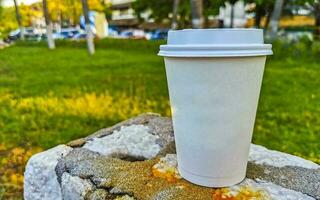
[150, 20]
[71, 67]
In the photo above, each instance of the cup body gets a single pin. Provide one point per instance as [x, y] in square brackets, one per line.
[214, 78]
[214, 102]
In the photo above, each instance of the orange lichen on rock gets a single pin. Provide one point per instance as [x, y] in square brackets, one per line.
[243, 193]
[222, 194]
[168, 175]
[166, 168]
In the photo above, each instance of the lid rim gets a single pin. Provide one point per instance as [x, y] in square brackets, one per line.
[215, 47]
[215, 50]
[215, 43]
[215, 55]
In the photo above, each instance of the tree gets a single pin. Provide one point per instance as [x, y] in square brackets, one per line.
[0, 7]
[69, 11]
[314, 6]
[274, 23]
[197, 13]
[18, 17]
[90, 36]
[232, 2]
[262, 8]
[174, 23]
[0, 15]
[8, 20]
[50, 40]
[161, 10]
[317, 21]
[211, 8]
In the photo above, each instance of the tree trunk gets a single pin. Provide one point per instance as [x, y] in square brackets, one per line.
[257, 18]
[197, 13]
[274, 22]
[268, 17]
[50, 40]
[174, 23]
[317, 20]
[268, 13]
[75, 14]
[90, 37]
[18, 16]
[231, 15]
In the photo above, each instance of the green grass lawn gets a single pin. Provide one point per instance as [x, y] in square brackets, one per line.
[51, 97]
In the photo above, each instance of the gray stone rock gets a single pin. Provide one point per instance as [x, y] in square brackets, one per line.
[74, 187]
[158, 125]
[40, 179]
[134, 141]
[296, 178]
[284, 170]
[126, 171]
[143, 119]
[136, 179]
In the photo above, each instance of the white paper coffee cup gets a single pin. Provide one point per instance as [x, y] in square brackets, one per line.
[214, 78]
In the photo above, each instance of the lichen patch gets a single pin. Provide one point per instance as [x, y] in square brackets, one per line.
[241, 193]
[167, 168]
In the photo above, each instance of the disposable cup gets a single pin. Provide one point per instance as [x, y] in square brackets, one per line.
[214, 79]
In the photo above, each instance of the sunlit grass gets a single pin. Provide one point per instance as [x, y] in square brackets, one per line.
[36, 117]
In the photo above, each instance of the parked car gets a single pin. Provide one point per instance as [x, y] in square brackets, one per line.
[148, 35]
[79, 36]
[57, 35]
[112, 32]
[29, 34]
[66, 33]
[14, 35]
[133, 34]
[160, 34]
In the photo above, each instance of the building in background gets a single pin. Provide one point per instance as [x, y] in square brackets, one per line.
[123, 13]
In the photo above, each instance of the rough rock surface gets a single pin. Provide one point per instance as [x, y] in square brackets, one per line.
[111, 164]
[134, 141]
[40, 177]
[74, 187]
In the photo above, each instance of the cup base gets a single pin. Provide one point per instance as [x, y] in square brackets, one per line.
[211, 181]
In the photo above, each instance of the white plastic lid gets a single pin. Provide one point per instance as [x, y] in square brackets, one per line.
[215, 43]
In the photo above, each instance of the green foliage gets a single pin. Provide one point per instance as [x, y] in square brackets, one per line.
[8, 21]
[301, 2]
[211, 7]
[67, 12]
[0, 6]
[162, 9]
[262, 8]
